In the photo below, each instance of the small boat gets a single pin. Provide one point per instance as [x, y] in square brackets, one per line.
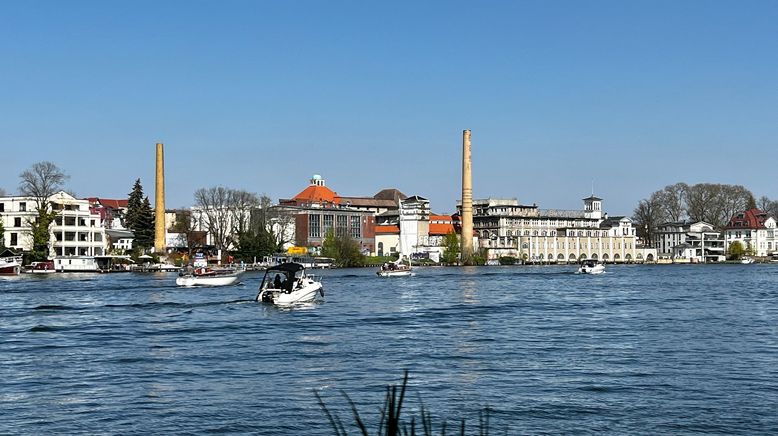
[208, 277]
[10, 263]
[591, 266]
[395, 269]
[45, 267]
[747, 260]
[288, 283]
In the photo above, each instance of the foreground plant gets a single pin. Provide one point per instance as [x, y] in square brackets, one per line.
[391, 424]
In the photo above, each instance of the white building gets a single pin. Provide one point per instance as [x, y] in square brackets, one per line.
[756, 230]
[76, 231]
[690, 241]
[507, 228]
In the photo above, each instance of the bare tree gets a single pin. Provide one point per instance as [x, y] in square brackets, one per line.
[671, 200]
[41, 181]
[733, 199]
[763, 203]
[648, 216]
[241, 204]
[768, 206]
[213, 204]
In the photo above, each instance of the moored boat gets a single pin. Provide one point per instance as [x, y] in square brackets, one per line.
[288, 283]
[10, 263]
[45, 267]
[209, 277]
[747, 260]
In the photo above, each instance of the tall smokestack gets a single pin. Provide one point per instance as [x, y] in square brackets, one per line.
[159, 203]
[467, 199]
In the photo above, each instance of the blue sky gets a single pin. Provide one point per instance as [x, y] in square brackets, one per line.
[260, 95]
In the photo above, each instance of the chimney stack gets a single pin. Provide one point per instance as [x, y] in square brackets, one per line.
[467, 200]
[159, 203]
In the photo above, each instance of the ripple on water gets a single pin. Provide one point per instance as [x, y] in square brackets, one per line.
[639, 350]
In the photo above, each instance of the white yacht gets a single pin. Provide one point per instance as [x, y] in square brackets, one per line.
[208, 277]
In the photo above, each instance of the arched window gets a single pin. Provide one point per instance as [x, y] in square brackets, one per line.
[380, 248]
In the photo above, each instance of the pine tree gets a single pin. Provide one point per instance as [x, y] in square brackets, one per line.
[134, 204]
[140, 218]
[144, 226]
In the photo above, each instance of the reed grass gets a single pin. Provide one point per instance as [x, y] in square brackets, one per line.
[391, 422]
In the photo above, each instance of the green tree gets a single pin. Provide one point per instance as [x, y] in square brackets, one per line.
[140, 218]
[736, 250]
[451, 249]
[134, 204]
[144, 227]
[342, 248]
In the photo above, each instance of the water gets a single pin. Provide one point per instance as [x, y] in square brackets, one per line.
[640, 349]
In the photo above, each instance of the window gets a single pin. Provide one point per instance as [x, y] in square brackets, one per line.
[380, 248]
[17, 222]
[342, 225]
[314, 226]
[327, 223]
[14, 239]
[356, 228]
[22, 207]
[2, 207]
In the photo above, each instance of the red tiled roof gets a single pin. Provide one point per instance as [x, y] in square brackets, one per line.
[441, 224]
[387, 229]
[114, 204]
[749, 219]
[317, 194]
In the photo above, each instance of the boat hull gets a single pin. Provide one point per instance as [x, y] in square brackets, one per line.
[308, 293]
[10, 270]
[217, 280]
[598, 269]
[405, 273]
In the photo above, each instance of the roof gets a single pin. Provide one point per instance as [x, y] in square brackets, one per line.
[390, 194]
[317, 194]
[748, 219]
[291, 267]
[9, 253]
[387, 229]
[593, 198]
[107, 202]
[368, 202]
[441, 229]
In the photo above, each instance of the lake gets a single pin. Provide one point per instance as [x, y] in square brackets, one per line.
[640, 349]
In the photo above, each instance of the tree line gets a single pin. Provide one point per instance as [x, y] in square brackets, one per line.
[709, 202]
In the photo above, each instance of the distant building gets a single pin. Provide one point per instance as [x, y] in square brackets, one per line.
[77, 229]
[507, 228]
[318, 209]
[756, 230]
[692, 241]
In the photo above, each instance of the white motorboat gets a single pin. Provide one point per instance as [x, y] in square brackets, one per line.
[395, 269]
[209, 277]
[591, 266]
[288, 283]
[747, 260]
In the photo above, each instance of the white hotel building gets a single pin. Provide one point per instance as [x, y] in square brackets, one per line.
[506, 228]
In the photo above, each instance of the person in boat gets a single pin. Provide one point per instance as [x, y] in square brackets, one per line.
[277, 283]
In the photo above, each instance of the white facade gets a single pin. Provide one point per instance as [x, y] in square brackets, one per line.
[694, 242]
[761, 241]
[507, 228]
[76, 230]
